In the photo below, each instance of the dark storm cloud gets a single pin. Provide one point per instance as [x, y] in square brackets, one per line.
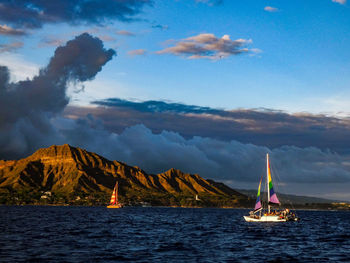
[260, 127]
[28, 106]
[36, 13]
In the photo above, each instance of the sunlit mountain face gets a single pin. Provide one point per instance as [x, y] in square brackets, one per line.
[207, 87]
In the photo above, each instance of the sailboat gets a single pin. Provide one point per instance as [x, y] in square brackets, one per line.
[114, 198]
[272, 199]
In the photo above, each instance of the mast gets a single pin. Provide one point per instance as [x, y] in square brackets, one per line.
[116, 193]
[267, 182]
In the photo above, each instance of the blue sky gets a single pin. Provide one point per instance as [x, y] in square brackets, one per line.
[302, 65]
[206, 86]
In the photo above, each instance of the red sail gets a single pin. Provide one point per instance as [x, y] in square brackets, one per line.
[114, 198]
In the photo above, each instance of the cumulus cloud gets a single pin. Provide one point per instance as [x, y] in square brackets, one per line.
[271, 9]
[36, 13]
[137, 52]
[13, 46]
[208, 46]
[342, 2]
[9, 31]
[27, 106]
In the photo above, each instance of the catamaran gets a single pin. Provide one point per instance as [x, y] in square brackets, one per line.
[114, 198]
[257, 215]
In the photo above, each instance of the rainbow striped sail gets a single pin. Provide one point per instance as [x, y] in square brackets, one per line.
[273, 196]
[258, 202]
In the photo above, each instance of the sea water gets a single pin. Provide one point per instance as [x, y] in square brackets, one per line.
[97, 234]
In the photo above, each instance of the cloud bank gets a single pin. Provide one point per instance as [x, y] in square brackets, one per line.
[233, 162]
[260, 127]
[208, 46]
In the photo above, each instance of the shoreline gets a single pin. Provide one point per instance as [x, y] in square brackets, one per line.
[185, 207]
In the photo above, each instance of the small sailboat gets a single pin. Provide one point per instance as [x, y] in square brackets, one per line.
[114, 198]
[257, 215]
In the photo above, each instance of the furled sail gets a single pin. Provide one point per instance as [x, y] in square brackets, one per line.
[273, 196]
[258, 202]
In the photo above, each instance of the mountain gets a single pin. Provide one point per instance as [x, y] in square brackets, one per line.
[68, 174]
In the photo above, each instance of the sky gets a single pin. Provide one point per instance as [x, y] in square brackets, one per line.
[206, 86]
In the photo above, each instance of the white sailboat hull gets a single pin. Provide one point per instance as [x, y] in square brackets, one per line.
[265, 219]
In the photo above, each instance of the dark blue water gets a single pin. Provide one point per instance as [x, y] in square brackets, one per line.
[97, 234]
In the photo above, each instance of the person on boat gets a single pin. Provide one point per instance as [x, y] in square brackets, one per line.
[285, 213]
[253, 215]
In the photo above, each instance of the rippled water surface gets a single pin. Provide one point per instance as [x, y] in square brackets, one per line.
[97, 234]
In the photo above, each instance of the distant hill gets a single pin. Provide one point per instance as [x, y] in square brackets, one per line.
[72, 175]
[294, 199]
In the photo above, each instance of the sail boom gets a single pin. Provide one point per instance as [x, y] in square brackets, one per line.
[257, 210]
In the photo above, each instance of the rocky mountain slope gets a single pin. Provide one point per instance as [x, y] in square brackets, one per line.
[70, 171]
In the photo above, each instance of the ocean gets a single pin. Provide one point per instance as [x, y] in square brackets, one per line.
[135, 234]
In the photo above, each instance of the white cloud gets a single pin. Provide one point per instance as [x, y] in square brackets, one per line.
[208, 46]
[271, 9]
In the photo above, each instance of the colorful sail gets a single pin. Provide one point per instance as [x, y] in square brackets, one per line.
[258, 202]
[273, 196]
[114, 198]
